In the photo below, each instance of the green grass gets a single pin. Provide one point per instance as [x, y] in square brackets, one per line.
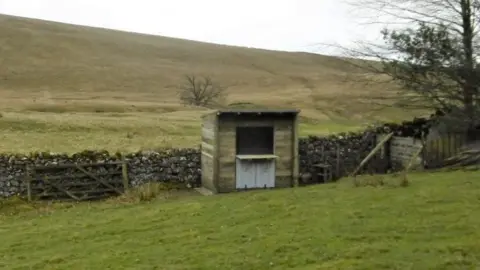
[70, 133]
[77, 88]
[434, 223]
[77, 127]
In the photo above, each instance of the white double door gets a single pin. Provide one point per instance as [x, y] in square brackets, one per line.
[255, 173]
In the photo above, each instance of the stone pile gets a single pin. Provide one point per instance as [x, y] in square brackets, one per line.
[416, 128]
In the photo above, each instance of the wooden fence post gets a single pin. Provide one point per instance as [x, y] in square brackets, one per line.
[404, 181]
[337, 165]
[372, 153]
[125, 175]
[28, 182]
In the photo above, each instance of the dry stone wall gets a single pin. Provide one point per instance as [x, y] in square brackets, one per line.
[342, 152]
[183, 165]
[346, 150]
[175, 165]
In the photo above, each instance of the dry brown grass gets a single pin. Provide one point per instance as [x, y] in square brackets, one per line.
[65, 88]
[151, 191]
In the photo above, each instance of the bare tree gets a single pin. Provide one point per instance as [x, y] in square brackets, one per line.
[428, 54]
[201, 91]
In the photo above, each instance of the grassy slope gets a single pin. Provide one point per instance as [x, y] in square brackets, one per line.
[432, 224]
[66, 88]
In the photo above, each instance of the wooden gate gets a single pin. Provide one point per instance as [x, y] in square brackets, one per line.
[79, 182]
[436, 151]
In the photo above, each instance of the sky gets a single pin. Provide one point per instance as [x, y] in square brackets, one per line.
[289, 25]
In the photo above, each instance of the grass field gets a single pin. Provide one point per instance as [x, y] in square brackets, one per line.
[67, 88]
[432, 224]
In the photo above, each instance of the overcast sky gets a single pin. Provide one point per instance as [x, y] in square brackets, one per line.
[291, 25]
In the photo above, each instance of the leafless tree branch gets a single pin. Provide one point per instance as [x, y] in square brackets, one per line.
[429, 58]
[201, 91]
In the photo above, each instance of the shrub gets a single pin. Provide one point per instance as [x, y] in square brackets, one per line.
[372, 181]
[149, 191]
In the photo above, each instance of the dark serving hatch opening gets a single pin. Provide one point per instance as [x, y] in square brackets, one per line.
[255, 140]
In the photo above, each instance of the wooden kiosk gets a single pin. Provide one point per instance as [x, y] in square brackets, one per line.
[248, 149]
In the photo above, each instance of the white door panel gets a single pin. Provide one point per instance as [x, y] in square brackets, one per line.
[245, 176]
[255, 173]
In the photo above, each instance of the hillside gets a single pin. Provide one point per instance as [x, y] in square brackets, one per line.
[40, 55]
[432, 224]
[123, 81]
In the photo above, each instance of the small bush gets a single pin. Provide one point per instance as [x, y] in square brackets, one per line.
[372, 181]
[404, 180]
[388, 180]
[149, 191]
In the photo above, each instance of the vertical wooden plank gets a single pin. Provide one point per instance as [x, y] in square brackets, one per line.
[216, 152]
[446, 148]
[450, 145]
[442, 151]
[456, 149]
[295, 156]
[28, 182]
[125, 175]
[453, 145]
[458, 142]
[422, 154]
[451, 150]
[431, 146]
[337, 165]
[33, 176]
[428, 152]
[441, 147]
